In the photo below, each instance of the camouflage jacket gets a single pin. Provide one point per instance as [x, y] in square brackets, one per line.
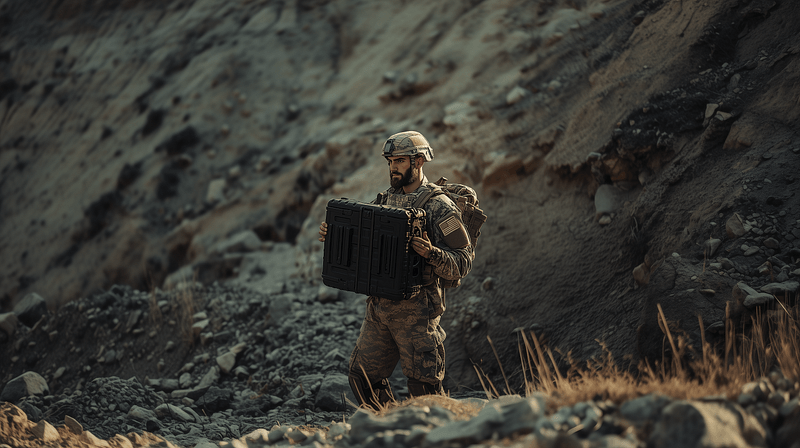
[446, 262]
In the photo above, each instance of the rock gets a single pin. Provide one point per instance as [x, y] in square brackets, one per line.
[185, 380]
[216, 191]
[710, 247]
[735, 227]
[604, 220]
[165, 409]
[788, 435]
[141, 414]
[73, 425]
[209, 378]
[34, 414]
[516, 94]
[781, 289]
[642, 409]
[772, 243]
[8, 323]
[334, 392]
[25, 385]
[199, 326]
[163, 384]
[757, 300]
[501, 417]
[487, 284]
[326, 294]
[214, 400]
[30, 309]
[241, 372]
[693, 424]
[276, 433]
[752, 250]
[641, 274]
[45, 432]
[608, 199]
[245, 241]
[226, 362]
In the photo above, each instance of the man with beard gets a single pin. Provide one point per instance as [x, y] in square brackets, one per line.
[409, 330]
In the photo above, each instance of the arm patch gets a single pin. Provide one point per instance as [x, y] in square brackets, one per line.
[455, 235]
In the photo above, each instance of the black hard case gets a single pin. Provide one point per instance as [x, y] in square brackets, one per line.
[367, 249]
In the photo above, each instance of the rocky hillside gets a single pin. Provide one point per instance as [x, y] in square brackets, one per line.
[629, 154]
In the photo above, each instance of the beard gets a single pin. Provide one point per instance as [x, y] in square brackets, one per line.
[406, 178]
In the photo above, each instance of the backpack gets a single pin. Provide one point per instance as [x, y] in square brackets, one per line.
[472, 217]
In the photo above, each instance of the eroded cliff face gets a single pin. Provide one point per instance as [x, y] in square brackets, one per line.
[600, 135]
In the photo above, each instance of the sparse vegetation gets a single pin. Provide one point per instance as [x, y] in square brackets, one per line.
[770, 344]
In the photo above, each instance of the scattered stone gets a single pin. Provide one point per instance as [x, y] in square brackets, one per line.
[516, 94]
[26, 385]
[696, 424]
[164, 410]
[45, 432]
[735, 227]
[73, 425]
[226, 362]
[772, 243]
[8, 323]
[326, 294]
[781, 289]
[752, 250]
[487, 284]
[334, 392]
[245, 241]
[216, 191]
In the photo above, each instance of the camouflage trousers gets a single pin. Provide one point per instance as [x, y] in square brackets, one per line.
[398, 331]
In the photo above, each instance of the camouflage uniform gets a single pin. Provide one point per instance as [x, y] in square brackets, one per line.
[409, 330]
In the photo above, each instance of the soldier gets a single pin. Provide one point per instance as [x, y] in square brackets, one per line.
[409, 330]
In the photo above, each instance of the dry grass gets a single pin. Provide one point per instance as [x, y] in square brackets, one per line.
[186, 310]
[772, 341]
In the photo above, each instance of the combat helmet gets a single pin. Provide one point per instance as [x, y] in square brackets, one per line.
[408, 143]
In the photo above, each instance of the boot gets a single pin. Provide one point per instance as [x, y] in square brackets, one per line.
[377, 397]
[417, 388]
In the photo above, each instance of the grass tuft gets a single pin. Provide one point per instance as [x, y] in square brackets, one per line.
[770, 343]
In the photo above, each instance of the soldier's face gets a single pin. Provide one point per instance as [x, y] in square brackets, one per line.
[400, 172]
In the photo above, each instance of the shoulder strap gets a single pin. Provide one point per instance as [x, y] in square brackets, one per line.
[425, 196]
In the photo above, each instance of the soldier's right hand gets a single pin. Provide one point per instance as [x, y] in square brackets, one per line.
[323, 231]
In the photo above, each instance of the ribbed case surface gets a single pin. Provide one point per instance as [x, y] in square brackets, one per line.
[367, 249]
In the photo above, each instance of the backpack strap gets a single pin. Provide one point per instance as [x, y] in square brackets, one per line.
[425, 196]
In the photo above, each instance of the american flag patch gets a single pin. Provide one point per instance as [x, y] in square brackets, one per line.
[449, 225]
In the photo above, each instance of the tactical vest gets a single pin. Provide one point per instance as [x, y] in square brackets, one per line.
[465, 198]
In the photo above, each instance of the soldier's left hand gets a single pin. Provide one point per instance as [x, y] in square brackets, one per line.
[422, 246]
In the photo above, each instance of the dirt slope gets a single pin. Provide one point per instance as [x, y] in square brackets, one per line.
[115, 121]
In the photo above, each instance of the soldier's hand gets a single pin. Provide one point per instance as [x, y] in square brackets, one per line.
[323, 231]
[422, 246]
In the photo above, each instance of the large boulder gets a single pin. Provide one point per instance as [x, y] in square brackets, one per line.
[27, 384]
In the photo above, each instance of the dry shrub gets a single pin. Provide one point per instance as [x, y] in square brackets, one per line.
[186, 311]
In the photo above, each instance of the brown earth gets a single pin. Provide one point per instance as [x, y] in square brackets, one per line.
[97, 190]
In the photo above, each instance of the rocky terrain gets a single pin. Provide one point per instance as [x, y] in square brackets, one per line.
[164, 167]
